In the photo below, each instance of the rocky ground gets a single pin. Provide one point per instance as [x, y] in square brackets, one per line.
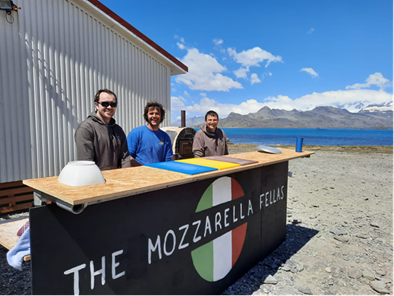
[339, 232]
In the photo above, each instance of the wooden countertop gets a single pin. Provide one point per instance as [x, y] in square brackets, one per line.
[9, 230]
[131, 181]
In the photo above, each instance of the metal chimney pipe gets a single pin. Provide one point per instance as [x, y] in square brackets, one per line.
[183, 118]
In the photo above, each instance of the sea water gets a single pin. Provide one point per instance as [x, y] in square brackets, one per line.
[323, 137]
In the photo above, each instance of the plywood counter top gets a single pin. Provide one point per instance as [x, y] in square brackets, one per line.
[131, 181]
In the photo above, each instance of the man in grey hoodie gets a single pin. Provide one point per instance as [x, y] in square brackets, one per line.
[99, 138]
[210, 140]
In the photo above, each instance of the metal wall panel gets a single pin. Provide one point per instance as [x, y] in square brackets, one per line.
[54, 56]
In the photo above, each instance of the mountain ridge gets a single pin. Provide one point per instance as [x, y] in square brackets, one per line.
[372, 116]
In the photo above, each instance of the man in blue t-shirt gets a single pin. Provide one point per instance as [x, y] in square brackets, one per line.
[148, 143]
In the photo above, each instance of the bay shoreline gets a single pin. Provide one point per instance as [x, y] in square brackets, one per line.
[240, 148]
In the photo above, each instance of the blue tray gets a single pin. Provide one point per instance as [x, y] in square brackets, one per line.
[180, 167]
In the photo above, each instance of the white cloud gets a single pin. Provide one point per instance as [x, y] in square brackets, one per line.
[186, 93]
[254, 79]
[217, 41]
[180, 45]
[311, 30]
[373, 79]
[223, 110]
[180, 38]
[330, 98]
[204, 73]
[253, 57]
[308, 102]
[177, 103]
[241, 72]
[310, 71]
[338, 98]
[265, 74]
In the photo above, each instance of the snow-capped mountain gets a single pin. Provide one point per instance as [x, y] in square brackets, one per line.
[385, 107]
[356, 115]
[322, 117]
[353, 107]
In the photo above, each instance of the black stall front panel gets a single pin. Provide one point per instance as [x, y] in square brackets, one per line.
[196, 238]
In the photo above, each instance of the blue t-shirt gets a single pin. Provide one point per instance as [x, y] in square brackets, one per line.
[147, 146]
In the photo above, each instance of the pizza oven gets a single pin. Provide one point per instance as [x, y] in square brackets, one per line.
[181, 140]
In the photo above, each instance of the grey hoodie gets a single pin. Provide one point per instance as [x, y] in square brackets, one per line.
[208, 144]
[105, 144]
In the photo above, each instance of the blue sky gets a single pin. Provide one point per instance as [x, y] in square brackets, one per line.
[244, 55]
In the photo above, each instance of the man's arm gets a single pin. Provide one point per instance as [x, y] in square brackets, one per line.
[169, 155]
[225, 143]
[125, 152]
[226, 149]
[84, 142]
[132, 143]
[198, 145]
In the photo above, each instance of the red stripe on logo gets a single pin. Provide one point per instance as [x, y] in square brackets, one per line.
[236, 190]
[238, 239]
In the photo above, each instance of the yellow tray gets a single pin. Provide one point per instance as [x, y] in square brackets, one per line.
[220, 165]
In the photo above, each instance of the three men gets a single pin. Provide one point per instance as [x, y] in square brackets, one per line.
[148, 143]
[98, 138]
[210, 140]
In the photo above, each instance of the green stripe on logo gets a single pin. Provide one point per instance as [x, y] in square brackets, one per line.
[206, 200]
[203, 261]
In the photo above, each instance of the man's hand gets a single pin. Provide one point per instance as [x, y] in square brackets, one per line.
[133, 162]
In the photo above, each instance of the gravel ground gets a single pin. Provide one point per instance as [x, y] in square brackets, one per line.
[339, 232]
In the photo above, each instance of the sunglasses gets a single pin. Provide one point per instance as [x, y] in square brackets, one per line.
[106, 104]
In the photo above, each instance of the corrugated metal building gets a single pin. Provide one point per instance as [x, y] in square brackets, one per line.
[54, 56]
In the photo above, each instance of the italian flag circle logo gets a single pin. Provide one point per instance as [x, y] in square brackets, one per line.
[214, 260]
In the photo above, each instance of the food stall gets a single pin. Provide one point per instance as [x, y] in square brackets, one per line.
[160, 229]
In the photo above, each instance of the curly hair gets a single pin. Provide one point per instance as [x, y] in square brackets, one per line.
[156, 106]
